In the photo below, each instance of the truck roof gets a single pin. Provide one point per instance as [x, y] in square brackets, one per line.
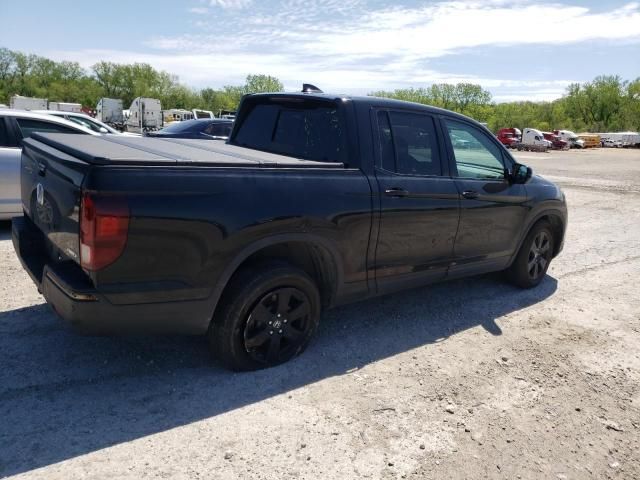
[122, 150]
[379, 102]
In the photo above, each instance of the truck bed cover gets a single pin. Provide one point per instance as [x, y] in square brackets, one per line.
[123, 150]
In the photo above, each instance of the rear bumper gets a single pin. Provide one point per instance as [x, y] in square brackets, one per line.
[73, 297]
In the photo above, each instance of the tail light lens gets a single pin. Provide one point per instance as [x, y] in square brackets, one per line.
[104, 227]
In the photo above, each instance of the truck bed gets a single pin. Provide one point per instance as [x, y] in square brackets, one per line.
[114, 149]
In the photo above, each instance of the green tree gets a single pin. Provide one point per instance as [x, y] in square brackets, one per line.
[262, 84]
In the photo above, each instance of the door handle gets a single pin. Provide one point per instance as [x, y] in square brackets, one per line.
[396, 192]
[470, 194]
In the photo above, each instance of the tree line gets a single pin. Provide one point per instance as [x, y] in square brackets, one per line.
[36, 76]
[607, 103]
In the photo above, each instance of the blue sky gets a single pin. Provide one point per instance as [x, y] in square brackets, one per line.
[516, 49]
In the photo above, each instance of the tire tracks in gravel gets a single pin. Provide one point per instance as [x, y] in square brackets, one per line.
[591, 268]
[597, 185]
[65, 385]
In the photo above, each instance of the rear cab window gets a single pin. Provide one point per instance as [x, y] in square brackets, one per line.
[309, 129]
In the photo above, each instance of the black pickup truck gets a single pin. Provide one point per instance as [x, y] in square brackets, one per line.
[316, 200]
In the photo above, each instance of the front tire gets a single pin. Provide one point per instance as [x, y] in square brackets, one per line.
[532, 262]
[267, 316]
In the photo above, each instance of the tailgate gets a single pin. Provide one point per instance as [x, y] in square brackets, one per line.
[54, 168]
[51, 181]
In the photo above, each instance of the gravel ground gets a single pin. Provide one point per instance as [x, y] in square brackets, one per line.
[468, 379]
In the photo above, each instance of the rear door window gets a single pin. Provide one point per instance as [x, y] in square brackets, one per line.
[28, 126]
[408, 143]
[306, 130]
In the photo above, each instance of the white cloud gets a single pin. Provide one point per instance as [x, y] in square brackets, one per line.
[231, 4]
[348, 46]
[446, 27]
[199, 10]
[217, 69]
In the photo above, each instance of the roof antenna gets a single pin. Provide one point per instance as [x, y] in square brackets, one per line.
[309, 88]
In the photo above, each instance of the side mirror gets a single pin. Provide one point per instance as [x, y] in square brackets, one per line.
[103, 130]
[521, 173]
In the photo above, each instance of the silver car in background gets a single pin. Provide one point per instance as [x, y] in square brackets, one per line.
[14, 126]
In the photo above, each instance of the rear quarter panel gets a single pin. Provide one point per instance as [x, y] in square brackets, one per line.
[190, 225]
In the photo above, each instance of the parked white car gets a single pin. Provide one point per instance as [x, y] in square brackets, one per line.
[16, 125]
[607, 142]
[86, 121]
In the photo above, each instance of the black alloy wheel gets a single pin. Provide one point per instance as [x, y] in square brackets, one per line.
[267, 315]
[278, 326]
[532, 261]
[539, 255]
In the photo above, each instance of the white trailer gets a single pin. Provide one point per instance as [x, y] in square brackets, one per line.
[109, 111]
[145, 114]
[533, 140]
[626, 139]
[65, 107]
[19, 102]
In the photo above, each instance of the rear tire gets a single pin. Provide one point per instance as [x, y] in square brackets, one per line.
[531, 264]
[267, 316]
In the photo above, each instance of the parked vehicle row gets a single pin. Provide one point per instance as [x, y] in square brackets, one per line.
[537, 140]
[564, 139]
[144, 114]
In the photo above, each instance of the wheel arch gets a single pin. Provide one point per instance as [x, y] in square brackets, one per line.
[556, 219]
[317, 256]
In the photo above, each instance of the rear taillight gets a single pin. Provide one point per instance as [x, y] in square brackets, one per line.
[104, 226]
